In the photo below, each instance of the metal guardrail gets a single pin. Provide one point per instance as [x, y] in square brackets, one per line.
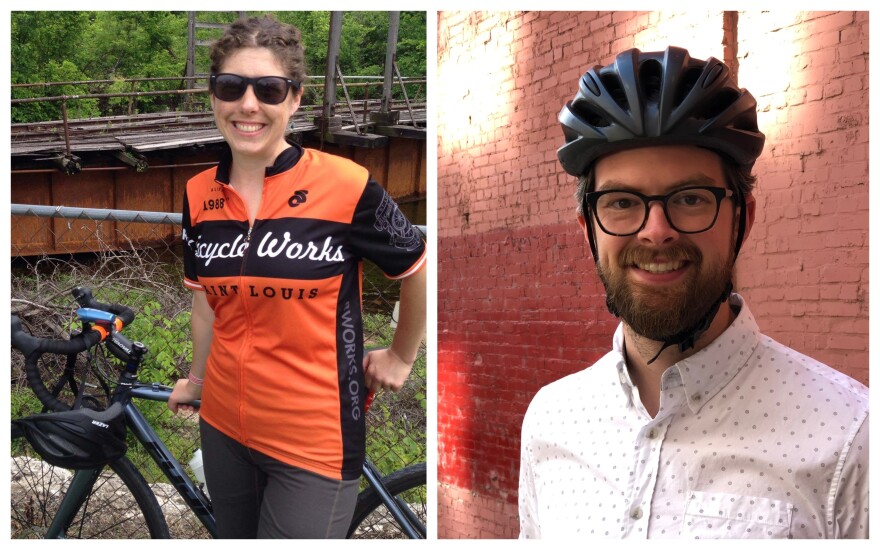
[99, 214]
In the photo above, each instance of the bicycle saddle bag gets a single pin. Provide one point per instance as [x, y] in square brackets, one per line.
[79, 439]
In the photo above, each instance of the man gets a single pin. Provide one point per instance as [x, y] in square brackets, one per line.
[695, 424]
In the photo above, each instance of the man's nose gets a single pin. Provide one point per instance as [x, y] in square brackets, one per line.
[657, 229]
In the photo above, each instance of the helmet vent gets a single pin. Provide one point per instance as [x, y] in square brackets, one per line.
[724, 99]
[588, 114]
[615, 90]
[651, 80]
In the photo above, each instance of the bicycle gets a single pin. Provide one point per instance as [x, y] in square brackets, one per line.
[116, 500]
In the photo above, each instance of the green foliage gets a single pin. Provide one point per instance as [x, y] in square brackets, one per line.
[39, 38]
[24, 403]
[167, 340]
[114, 45]
[396, 436]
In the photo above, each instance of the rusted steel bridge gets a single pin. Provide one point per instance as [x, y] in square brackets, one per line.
[142, 161]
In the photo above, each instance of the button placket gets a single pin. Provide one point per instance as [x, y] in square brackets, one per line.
[647, 462]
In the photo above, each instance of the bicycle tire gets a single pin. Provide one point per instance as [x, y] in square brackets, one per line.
[373, 521]
[120, 506]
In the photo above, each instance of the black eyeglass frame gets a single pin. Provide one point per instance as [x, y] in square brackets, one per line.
[720, 193]
[252, 82]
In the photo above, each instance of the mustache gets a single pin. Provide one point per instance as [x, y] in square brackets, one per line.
[640, 255]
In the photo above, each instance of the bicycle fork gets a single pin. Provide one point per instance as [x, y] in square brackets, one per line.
[76, 496]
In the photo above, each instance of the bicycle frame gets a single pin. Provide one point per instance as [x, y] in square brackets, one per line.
[405, 517]
[163, 458]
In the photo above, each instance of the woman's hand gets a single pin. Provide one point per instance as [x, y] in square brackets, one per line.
[184, 392]
[385, 370]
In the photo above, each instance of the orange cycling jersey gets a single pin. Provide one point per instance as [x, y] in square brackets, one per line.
[285, 373]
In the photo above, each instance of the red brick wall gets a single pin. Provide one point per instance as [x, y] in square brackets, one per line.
[519, 304]
[805, 269]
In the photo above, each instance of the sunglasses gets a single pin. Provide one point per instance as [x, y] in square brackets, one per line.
[271, 90]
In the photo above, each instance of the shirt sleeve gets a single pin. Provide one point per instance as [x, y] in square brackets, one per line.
[188, 234]
[382, 234]
[851, 499]
[529, 528]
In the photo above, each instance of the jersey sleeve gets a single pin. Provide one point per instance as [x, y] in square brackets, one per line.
[190, 274]
[382, 234]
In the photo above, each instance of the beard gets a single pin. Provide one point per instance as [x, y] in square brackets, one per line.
[661, 312]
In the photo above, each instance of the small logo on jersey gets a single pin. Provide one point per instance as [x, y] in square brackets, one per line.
[213, 204]
[391, 220]
[298, 198]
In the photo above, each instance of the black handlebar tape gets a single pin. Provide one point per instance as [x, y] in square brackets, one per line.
[33, 348]
[31, 345]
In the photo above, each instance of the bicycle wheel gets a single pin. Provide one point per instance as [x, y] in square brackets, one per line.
[372, 520]
[120, 506]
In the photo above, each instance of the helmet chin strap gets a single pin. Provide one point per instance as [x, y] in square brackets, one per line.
[687, 338]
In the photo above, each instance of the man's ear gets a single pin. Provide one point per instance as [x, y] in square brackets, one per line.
[583, 223]
[751, 205]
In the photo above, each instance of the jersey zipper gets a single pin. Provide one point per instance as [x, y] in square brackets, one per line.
[246, 344]
[247, 341]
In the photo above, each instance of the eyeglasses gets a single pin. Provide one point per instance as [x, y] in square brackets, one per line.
[688, 210]
[271, 90]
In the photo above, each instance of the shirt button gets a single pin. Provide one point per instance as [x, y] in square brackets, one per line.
[652, 434]
[636, 513]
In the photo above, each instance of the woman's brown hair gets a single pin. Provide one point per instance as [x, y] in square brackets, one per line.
[283, 40]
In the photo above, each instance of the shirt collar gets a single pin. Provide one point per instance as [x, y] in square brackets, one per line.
[704, 373]
[286, 160]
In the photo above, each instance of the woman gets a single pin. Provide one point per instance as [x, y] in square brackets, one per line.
[274, 238]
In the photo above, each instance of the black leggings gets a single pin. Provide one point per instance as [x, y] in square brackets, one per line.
[256, 496]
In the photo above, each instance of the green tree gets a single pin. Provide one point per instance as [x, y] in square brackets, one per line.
[116, 45]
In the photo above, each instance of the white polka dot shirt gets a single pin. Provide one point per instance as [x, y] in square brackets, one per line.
[752, 440]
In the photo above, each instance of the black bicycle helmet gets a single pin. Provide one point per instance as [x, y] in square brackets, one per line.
[658, 98]
[77, 439]
[661, 98]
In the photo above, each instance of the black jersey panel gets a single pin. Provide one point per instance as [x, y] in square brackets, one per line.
[218, 248]
[189, 238]
[298, 248]
[381, 233]
[352, 388]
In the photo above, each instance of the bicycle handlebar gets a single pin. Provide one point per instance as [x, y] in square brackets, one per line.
[33, 347]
